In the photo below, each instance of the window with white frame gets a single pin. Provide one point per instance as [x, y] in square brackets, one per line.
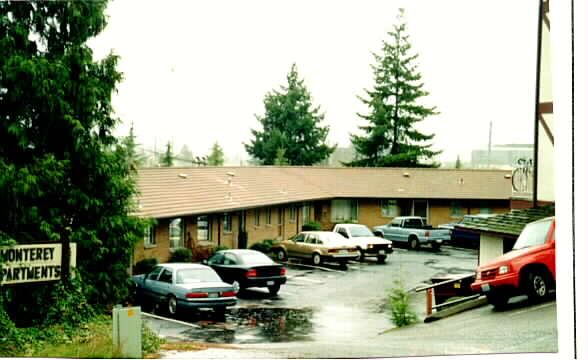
[344, 210]
[149, 237]
[227, 223]
[390, 208]
[203, 225]
[176, 233]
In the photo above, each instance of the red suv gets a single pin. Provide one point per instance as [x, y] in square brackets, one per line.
[528, 269]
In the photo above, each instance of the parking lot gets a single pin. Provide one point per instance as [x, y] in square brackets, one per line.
[326, 305]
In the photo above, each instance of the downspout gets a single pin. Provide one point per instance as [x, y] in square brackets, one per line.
[537, 100]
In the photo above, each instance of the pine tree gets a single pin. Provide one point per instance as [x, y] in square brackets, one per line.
[130, 147]
[390, 137]
[458, 163]
[290, 123]
[167, 160]
[217, 156]
[63, 174]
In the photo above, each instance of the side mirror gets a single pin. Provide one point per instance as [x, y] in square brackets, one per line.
[205, 261]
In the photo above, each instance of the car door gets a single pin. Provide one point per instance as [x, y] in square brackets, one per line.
[228, 268]
[150, 283]
[295, 246]
[163, 285]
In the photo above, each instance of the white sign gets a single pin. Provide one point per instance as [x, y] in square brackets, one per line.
[32, 263]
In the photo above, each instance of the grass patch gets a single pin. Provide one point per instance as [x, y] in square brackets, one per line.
[92, 340]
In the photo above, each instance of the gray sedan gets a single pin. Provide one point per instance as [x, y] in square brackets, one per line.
[184, 286]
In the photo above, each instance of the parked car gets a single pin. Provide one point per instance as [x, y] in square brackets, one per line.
[248, 268]
[318, 246]
[365, 241]
[413, 231]
[464, 238]
[184, 287]
[529, 268]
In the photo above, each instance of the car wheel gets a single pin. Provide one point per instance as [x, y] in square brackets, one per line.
[361, 256]
[537, 285]
[220, 312]
[381, 259]
[172, 305]
[282, 256]
[316, 259]
[413, 243]
[273, 290]
[435, 246]
[343, 265]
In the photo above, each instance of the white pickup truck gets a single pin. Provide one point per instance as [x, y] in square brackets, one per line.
[366, 242]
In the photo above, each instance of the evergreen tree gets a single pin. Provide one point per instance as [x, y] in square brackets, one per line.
[458, 163]
[167, 159]
[290, 123]
[63, 174]
[134, 158]
[390, 137]
[217, 156]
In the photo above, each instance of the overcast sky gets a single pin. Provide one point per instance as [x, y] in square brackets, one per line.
[196, 72]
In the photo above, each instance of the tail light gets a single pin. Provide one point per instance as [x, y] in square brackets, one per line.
[333, 251]
[196, 295]
[228, 293]
[427, 234]
[282, 271]
[251, 273]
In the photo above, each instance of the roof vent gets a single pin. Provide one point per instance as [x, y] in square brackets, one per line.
[460, 181]
[406, 174]
[507, 176]
[183, 176]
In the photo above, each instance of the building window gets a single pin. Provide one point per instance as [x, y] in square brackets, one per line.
[227, 223]
[268, 216]
[343, 210]
[390, 208]
[257, 217]
[305, 213]
[176, 233]
[203, 228]
[485, 211]
[280, 215]
[149, 237]
[456, 209]
[292, 214]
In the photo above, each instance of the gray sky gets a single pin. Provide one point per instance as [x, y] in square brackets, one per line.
[196, 72]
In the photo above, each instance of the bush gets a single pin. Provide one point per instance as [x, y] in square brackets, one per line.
[312, 226]
[145, 266]
[181, 255]
[265, 246]
[398, 299]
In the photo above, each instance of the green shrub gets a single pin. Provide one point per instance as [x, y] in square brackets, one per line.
[265, 246]
[312, 226]
[398, 299]
[145, 266]
[181, 255]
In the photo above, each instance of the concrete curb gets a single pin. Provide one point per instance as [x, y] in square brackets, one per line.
[472, 304]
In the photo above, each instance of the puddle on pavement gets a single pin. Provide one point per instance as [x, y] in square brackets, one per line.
[250, 325]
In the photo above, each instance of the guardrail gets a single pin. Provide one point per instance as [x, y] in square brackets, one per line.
[447, 289]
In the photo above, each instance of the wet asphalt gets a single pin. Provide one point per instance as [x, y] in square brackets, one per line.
[328, 312]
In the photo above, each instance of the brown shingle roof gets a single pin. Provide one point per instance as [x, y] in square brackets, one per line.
[508, 224]
[166, 192]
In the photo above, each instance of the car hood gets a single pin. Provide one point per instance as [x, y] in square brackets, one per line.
[509, 256]
[204, 285]
[371, 240]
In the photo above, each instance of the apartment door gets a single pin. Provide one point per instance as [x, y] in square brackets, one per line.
[421, 208]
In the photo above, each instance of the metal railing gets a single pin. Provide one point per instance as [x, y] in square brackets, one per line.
[431, 293]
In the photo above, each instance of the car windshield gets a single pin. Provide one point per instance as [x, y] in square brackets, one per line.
[533, 234]
[186, 276]
[253, 258]
[360, 231]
